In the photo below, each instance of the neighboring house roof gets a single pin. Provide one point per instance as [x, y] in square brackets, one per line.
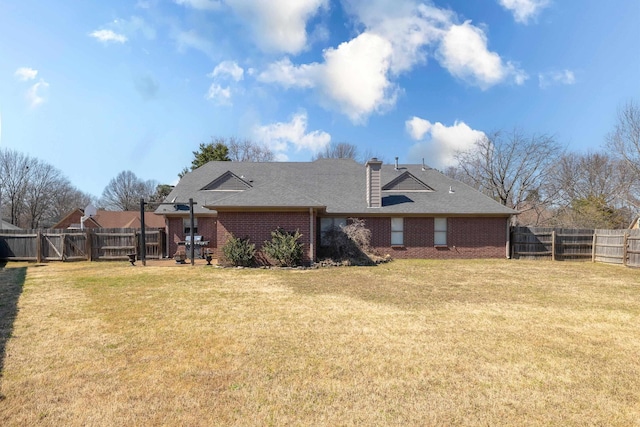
[72, 220]
[336, 185]
[127, 219]
[4, 225]
[111, 219]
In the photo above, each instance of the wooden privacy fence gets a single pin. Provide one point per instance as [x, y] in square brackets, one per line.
[558, 244]
[70, 245]
[617, 247]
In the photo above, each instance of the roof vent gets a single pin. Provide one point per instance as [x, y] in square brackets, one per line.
[396, 167]
[451, 190]
[424, 167]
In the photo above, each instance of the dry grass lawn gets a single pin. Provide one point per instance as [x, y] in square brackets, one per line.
[406, 343]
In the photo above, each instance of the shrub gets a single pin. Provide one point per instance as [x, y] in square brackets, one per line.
[351, 244]
[284, 248]
[239, 252]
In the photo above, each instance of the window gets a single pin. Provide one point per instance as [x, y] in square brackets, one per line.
[397, 231]
[327, 225]
[440, 231]
[186, 225]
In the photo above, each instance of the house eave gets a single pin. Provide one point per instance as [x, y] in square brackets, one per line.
[264, 208]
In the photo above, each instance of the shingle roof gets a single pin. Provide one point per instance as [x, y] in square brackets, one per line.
[337, 185]
[127, 219]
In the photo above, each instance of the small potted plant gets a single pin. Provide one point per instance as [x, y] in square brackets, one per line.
[180, 256]
[208, 255]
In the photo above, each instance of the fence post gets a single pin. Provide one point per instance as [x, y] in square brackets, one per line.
[39, 246]
[625, 243]
[593, 247]
[553, 245]
[87, 245]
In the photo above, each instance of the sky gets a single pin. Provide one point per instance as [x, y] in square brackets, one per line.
[97, 87]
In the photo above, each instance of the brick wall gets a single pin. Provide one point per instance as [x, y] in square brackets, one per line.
[257, 226]
[206, 229]
[466, 238]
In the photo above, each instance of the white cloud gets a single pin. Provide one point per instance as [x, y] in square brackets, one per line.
[524, 10]
[201, 4]
[353, 77]
[417, 127]
[218, 94]
[191, 40]
[36, 93]
[408, 26]
[564, 77]
[442, 141]
[358, 77]
[278, 25]
[464, 53]
[279, 137]
[25, 73]
[285, 73]
[228, 68]
[106, 36]
[132, 26]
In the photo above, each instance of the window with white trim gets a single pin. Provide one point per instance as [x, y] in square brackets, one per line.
[397, 231]
[327, 225]
[440, 231]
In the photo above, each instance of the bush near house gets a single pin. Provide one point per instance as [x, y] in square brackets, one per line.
[284, 248]
[351, 245]
[239, 252]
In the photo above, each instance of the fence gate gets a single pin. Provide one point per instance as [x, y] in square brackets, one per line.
[75, 246]
[52, 247]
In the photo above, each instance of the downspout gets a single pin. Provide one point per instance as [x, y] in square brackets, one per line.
[508, 246]
[311, 237]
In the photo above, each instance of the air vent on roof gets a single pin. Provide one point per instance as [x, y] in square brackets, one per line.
[228, 181]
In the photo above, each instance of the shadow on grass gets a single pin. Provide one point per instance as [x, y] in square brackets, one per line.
[11, 284]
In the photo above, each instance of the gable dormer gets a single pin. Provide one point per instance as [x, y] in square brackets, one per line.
[228, 181]
[407, 182]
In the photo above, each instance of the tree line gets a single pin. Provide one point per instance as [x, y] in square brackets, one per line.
[552, 187]
[531, 173]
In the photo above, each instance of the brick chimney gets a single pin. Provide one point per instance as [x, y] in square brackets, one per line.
[374, 190]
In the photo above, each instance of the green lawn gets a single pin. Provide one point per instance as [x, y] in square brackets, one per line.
[481, 342]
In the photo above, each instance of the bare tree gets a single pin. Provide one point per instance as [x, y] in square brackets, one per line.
[34, 193]
[15, 168]
[39, 195]
[248, 151]
[591, 191]
[624, 141]
[510, 167]
[67, 198]
[125, 191]
[340, 150]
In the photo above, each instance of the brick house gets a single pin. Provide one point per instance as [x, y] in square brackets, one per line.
[413, 211]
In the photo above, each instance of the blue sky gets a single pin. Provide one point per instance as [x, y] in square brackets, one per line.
[98, 87]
